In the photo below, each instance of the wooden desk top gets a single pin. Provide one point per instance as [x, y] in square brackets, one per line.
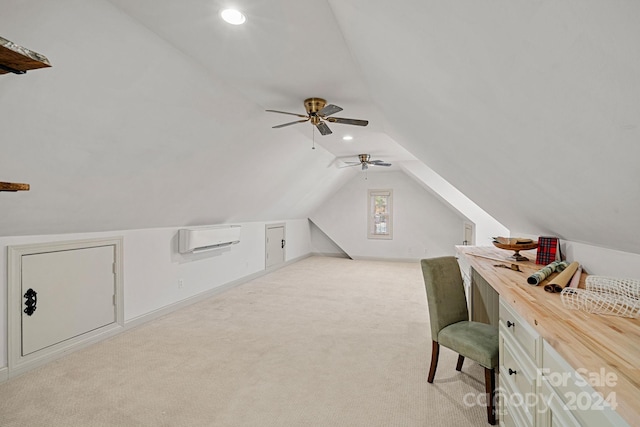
[585, 340]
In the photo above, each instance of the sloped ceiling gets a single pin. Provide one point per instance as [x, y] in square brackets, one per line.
[153, 112]
[531, 109]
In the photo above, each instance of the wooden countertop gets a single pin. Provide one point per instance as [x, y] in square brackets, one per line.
[585, 340]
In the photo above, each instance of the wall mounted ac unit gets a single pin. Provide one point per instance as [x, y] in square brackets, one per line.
[193, 240]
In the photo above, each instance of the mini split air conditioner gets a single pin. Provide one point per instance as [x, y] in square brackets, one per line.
[193, 240]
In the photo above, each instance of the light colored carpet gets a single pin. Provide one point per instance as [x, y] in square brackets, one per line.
[322, 342]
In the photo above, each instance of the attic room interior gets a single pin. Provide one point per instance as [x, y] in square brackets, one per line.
[139, 132]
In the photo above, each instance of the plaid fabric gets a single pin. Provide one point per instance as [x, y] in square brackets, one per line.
[548, 250]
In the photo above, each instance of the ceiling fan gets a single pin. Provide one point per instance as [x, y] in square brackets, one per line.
[365, 162]
[318, 112]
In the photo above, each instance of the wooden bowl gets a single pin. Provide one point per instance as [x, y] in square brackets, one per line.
[516, 245]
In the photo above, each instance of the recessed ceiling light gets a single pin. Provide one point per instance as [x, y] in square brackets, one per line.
[233, 17]
[347, 138]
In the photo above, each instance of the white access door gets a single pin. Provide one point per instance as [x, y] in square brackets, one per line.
[468, 234]
[275, 245]
[74, 294]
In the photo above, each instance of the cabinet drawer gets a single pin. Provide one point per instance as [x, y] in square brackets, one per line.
[517, 370]
[575, 394]
[512, 413]
[507, 417]
[553, 412]
[520, 331]
[517, 377]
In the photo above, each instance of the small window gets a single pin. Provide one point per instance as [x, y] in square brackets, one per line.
[380, 214]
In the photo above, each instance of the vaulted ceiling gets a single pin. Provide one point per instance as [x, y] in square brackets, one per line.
[153, 112]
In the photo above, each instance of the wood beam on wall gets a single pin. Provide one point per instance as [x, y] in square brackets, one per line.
[17, 59]
[13, 186]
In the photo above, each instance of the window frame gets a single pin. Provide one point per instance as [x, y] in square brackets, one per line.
[371, 232]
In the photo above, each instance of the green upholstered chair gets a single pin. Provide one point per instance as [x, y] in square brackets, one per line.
[450, 325]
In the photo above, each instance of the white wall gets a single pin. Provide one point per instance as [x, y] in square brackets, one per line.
[602, 261]
[423, 226]
[530, 109]
[153, 266]
[126, 132]
[598, 260]
[486, 227]
[321, 244]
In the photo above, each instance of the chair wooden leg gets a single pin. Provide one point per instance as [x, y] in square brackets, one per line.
[490, 386]
[460, 362]
[435, 351]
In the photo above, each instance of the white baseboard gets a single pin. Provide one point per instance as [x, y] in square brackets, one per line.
[28, 363]
[132, 323]
[144, 318]
[331, 254]
[367, 258]
[139, 320]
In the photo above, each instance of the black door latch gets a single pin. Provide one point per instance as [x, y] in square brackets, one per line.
[32, 300]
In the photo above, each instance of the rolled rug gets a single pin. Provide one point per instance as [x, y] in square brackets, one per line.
[545, 272]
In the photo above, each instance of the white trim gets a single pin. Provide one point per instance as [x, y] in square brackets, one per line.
[17, 363]
[144, 318]
[62, 349]
[152, 315]
[372, 258]
[331, 255]
[370, 214]
[170, 308]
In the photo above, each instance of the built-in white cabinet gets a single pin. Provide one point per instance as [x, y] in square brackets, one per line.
[553, 412]
[519, 361]
[465, 269]
[538, 388]
[568, 396]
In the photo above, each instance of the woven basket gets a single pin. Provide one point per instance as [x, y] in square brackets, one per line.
[605, 295]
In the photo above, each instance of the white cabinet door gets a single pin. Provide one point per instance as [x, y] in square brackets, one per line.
[75, 294]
